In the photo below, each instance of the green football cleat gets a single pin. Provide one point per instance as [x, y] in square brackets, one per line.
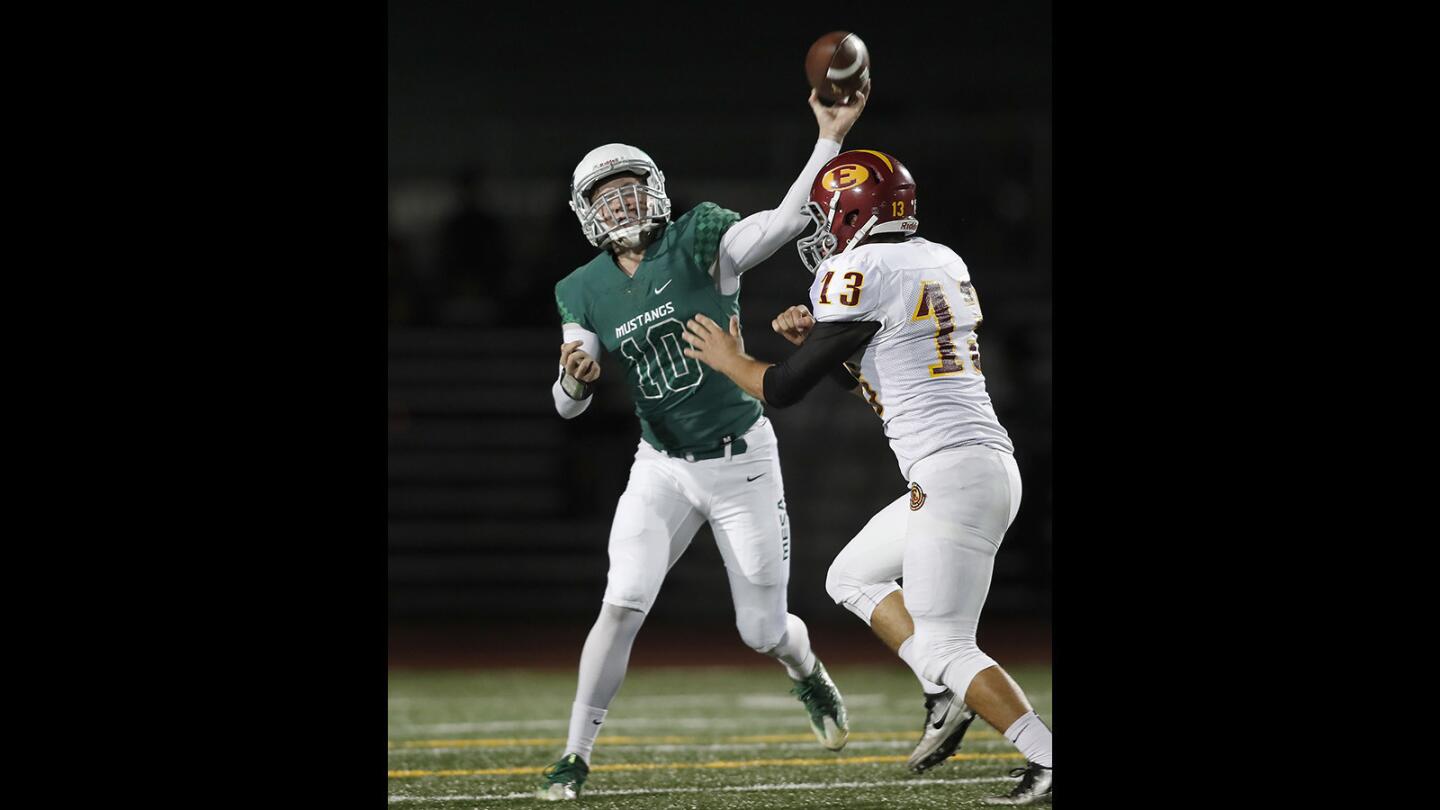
[826, 707]
[564, 779]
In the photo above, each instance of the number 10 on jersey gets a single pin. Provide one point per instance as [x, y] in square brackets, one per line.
[661, 360]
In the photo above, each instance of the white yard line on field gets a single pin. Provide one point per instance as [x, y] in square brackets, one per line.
[853, 745]
[758, 700]
[730, 789]
[675, 741]
[626, 723]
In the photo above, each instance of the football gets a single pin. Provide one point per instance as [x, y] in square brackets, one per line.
[837, 65]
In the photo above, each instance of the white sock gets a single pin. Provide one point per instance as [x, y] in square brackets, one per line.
[794, 649]
[603, 662]
[585, 722]
[907, 654]
[1032, 737]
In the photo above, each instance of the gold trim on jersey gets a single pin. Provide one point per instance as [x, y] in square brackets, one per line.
[933, 305]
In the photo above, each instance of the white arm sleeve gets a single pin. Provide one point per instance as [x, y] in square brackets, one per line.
[590, 344]
[755, 238]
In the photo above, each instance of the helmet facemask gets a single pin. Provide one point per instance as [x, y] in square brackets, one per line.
[607, 220]
[820, 243]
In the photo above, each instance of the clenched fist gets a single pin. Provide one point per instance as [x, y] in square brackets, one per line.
[794, 324]
[835, 122]
[578, 364]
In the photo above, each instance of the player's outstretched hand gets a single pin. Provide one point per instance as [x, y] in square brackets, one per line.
[794, 324]
[835, 122]
[578, 364]
[712, 345]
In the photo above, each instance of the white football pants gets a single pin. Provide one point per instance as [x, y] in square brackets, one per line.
[942, 540]
[743, 499]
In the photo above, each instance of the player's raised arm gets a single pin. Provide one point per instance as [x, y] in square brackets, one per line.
[755, 238]
[579, 368]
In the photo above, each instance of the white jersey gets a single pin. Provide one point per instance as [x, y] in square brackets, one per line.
[921, 371]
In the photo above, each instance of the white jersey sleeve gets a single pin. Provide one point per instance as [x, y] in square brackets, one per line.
[847, 288]
[922, 370]
[755, 238]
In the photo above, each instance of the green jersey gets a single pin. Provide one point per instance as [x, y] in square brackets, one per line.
[683, 405]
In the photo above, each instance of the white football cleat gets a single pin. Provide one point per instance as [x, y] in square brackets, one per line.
[1034, 786]
[946, 721]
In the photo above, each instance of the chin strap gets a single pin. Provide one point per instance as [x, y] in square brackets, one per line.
[862, 233]
[830, 220]
[629, 241]
[634, 241]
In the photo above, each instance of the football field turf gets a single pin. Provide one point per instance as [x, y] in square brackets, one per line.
[681, 738]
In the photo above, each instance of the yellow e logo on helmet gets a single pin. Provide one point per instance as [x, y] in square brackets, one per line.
[846, 176]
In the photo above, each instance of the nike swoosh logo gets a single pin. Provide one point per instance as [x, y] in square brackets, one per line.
[941, 722]
[748, 478]
[661, 289]
[596, 722]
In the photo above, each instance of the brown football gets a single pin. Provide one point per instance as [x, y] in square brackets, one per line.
[837, 65]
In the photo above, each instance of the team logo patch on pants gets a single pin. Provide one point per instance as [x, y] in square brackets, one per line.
[917, 497]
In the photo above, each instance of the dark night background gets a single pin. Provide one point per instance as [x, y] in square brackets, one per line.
[1175, 413]
[498, 509]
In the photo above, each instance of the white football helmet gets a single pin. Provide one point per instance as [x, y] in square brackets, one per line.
[619, 229]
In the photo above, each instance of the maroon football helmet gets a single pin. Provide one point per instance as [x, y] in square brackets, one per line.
[858, 194]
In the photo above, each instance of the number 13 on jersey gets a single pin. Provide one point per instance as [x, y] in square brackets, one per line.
[850, 295]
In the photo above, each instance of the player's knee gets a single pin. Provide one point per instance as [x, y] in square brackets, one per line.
[838, 584]
[855, 594]
[760, 633]
[953, 659]
[631, 590]
[760, 640]
[627, 599]
[622, 617]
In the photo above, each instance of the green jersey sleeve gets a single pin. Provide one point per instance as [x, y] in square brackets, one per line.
[711, 222]
[570, 302]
